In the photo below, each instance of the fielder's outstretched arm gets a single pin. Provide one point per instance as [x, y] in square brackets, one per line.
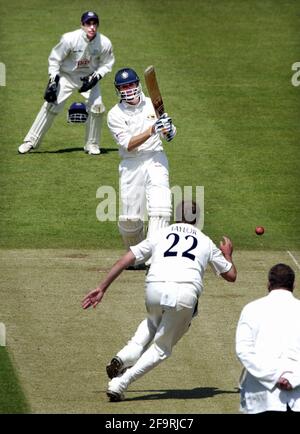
[95, 296]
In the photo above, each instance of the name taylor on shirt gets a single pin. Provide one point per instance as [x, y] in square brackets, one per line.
[184, 229]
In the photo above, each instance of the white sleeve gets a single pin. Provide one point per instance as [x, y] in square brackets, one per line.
[142, 251]
[118, 128]
[265, 370]
[57, 55]
[217, 261]
[107, 58]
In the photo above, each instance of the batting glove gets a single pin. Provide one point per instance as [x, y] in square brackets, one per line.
[51, 89]
[171, 134]
[89, 81]
[163, 124]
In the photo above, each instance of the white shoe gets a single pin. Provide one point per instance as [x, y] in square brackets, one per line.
[115, 390]
[92, 149]
[25, 147]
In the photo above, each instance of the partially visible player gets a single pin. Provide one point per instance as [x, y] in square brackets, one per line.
[77, 62]
[180, 255]
[144, 173]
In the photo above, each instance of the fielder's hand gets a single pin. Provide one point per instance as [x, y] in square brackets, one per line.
[89, 81]
[51, 89]
[92, 298]
[226, 247]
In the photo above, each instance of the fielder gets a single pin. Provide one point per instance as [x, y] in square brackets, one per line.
[174, 283]
[77, 62]
[144, 175]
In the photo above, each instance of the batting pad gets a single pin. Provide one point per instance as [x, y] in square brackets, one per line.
[2, 335]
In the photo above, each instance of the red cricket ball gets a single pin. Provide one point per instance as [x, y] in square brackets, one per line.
[259, 230]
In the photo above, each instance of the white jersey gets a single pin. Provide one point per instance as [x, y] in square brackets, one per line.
[268, 344]
[76, 54]
[126, 120]
[180, 253]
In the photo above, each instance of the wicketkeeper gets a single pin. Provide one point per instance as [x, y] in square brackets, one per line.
[76, 63]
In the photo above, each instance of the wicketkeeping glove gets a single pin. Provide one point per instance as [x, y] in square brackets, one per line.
[163, 124]
[51, 89]
[89, 81]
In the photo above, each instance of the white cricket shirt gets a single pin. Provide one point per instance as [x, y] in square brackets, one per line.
[181, 253]
[125, 121]
[267, 344]
[76, 54]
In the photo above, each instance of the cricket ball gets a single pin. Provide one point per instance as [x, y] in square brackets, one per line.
[259, 230]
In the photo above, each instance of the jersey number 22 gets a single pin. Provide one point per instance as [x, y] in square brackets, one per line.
[171, 251]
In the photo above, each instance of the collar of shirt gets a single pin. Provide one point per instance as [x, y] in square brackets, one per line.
[280, 293]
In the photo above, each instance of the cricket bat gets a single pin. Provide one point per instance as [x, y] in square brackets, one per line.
[153, 90]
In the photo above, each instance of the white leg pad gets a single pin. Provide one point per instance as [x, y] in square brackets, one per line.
[94, 126]
[41, 125]
[132, 230]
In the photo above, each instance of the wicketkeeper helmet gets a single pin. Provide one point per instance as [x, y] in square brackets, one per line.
[77, 113]
[127, 76]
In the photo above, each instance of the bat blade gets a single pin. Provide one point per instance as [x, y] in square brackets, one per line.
[153, 90]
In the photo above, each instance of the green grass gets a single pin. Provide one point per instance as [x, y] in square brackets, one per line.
[12, 399]
[60, 351]
[224, 68]
[225, 72]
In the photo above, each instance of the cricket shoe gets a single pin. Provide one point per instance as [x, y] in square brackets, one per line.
[25, 147]
[115, 390]
[92, 149]
[115, 368]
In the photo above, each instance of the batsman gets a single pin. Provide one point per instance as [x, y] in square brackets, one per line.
[76, 63]
[143, 170]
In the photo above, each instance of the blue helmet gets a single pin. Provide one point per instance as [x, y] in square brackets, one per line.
[127, 76]
[77, 113]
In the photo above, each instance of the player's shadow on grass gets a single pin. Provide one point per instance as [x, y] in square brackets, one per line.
[197, 393]
[67, 150]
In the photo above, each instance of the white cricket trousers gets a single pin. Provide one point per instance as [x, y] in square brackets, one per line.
[144, 185]
[44, 119]
[164, 327]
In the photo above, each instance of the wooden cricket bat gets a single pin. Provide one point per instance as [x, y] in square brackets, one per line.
[153, 90]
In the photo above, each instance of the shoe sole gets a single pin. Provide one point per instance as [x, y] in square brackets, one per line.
[114, 396]
[26, 152]
[91, 153]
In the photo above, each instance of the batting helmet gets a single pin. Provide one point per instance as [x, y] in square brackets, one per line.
[127, 76]
[77, 113]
